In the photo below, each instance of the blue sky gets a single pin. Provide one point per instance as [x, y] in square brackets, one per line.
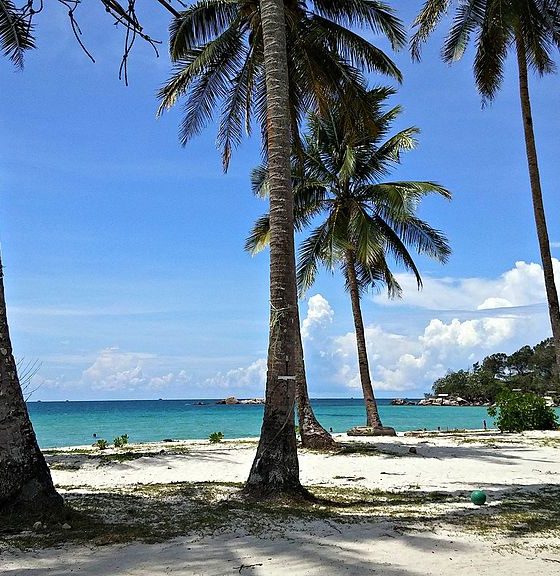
[123, 252]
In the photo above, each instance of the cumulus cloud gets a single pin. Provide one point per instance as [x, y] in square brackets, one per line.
[521, 286]
[498, 314]
[250, 378]
[319, 315]
[114, 369]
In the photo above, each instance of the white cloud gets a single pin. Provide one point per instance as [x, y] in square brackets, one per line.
[251, 378]
[114, 369]
[555, 244]
[319, 315]
[521, 286]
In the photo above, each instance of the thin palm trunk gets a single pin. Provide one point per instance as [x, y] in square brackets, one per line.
[276, 468]
[313, 435]
[25, 481]
[372, 413]
[538, 207]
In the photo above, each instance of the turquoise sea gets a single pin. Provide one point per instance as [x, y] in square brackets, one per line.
[74, 423]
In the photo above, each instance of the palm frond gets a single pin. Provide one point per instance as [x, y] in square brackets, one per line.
[259, 237]
[377, 15]
[468, 17]
[492, 45]
[201, 23]
[16, 33]
[311, 253]
[425, 23]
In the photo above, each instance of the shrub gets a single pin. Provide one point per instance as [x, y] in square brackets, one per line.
[120, 441]
[216, 437]
[101, 444]
[517, 412]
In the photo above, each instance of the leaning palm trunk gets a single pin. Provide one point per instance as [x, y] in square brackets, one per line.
[538, 208]
[372, 414]
[275, 468]
[25, 481]
[312, 434]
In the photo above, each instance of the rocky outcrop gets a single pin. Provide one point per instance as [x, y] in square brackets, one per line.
[233, 400]
[449, 401]
[402, 402]
[370, 431]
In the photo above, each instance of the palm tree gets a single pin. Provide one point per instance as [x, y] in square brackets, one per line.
[531, 28]
[365, 219]
[274, 60]
[25, 480]
[218, 48]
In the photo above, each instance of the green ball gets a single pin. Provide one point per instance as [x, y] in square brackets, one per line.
[478, 497]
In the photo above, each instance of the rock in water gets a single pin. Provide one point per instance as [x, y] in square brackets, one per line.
[370, 431]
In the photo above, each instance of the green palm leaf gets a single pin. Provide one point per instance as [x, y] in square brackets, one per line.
[16, 33]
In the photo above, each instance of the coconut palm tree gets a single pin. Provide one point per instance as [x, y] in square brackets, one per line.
[274, 60]
[363, 218]
[530, 29]
[25, 480]
[218, 50]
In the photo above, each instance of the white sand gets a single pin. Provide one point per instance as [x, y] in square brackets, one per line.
[452, 464]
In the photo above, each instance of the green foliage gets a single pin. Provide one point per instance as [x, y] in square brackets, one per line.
[517, 412]
[363, 221]
[121, 441]
[530, 368]
[216, 437]
[218, 50]
[101, 444]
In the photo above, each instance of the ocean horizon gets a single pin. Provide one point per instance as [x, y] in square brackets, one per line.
[82, 422]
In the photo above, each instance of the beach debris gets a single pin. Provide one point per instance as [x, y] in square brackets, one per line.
[38, 526]
[413, 450]
[66, 526]
[371, 431]
[478, 497]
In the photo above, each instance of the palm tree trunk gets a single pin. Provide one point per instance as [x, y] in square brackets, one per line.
[372, 413]
[275, 468]
[25, 481]
[313, 435]
[538, 207]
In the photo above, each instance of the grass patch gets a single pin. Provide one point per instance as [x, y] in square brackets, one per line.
[158, 512]
[522, 513]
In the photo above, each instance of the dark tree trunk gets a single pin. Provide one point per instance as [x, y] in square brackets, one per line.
[538, 207]
[25, 480]
[275, 469]
[313, 435]
[372, 414]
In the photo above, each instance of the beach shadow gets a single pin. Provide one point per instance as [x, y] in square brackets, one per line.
[200, 533]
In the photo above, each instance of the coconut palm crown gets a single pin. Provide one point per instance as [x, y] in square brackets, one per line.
[359, 221]
[217, 47]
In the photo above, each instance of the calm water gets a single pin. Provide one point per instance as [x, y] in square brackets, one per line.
[74, 423]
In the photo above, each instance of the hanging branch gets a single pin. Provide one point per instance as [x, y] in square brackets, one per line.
[121, 16]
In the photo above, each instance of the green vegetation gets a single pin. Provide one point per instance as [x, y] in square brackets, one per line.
[101, 444]
[517, 412]
[530, 369]
[158, 512]
[120, 441]
[216, 437]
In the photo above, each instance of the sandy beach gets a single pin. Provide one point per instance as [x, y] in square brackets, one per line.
[391, 506]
